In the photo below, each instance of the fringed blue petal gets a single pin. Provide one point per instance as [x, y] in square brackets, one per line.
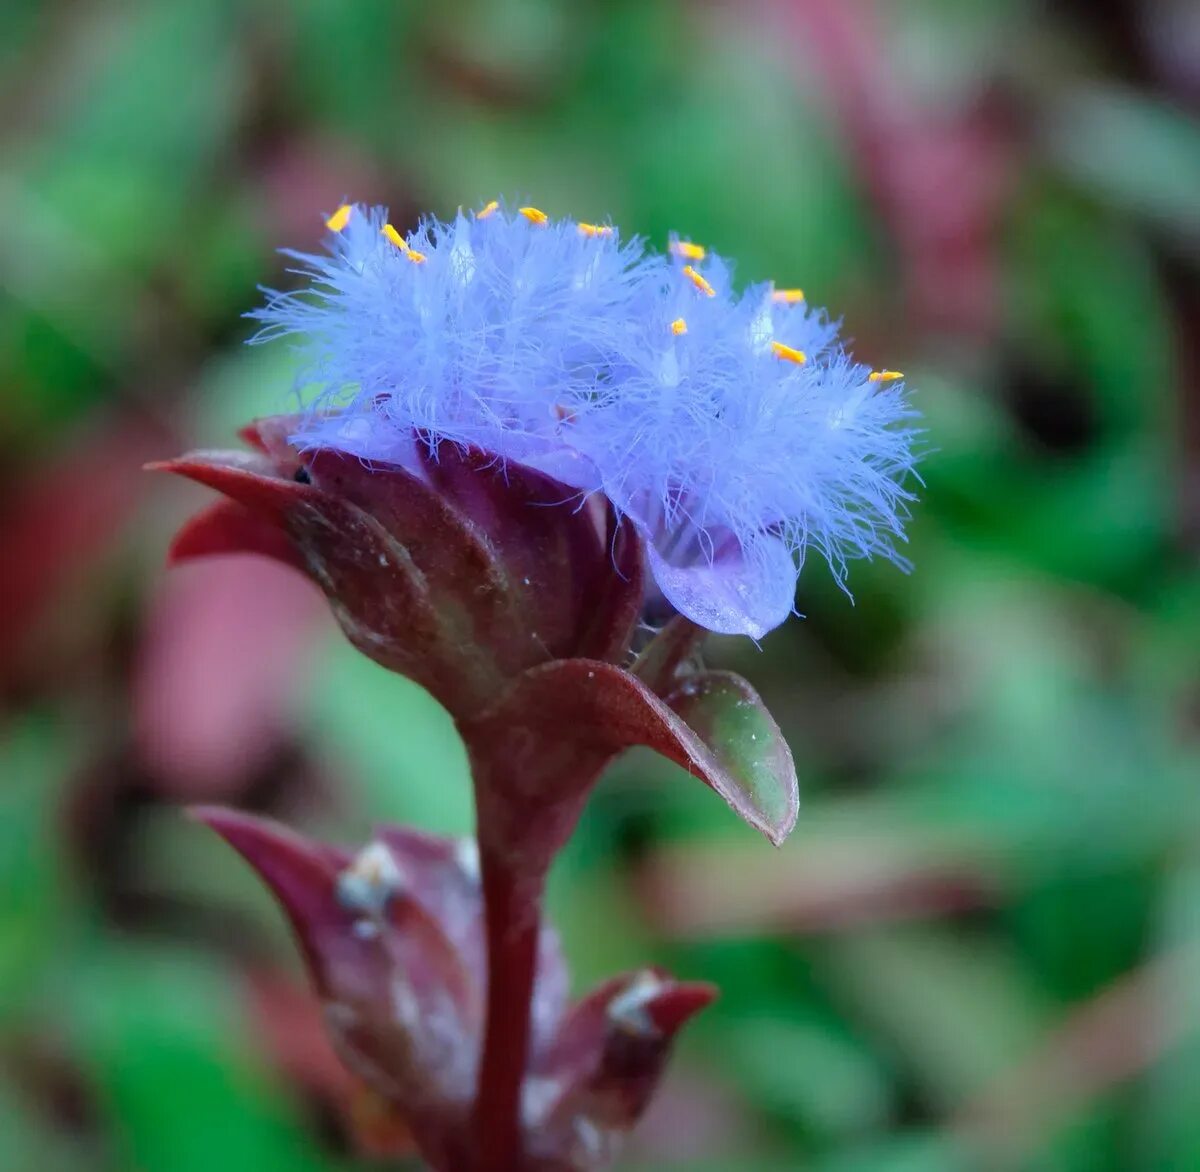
[733, 430]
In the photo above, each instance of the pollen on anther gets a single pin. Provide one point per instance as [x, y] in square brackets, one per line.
[688, 250]
[788, 353]
[340, 218]
[596, 229]
[487, 209]
[679, 326]
[697, 280]
[534, 215]
[788, 296]
[885, 376]
[418, 258]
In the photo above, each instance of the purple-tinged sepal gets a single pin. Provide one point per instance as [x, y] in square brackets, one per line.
[393, 939]
[537, 752]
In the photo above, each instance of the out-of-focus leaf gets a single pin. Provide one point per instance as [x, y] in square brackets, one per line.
[904, 1153]
[954, 1012]
[830, 879]
[787, 213]
[806, 1071]
[169, 1058]
[141, 111]
[243, 620]
[1168, 1126]
[1137, 151]
[37, 1142]
[388, 740]
[355, 74]
[34, 762]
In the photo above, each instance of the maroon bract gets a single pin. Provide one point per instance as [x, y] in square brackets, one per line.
[393, 938]
[460, 578]
[514, 602]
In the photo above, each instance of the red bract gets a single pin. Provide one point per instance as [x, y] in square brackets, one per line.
[394, 942]
[512, 601]
[459, 577]
[515, 603]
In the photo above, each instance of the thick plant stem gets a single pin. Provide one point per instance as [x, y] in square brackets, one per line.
[513, 909]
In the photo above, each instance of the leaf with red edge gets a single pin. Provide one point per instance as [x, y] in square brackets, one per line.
[726, 713]
[580, 710]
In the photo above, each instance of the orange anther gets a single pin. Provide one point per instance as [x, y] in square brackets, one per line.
[697, 280]
[788, 353]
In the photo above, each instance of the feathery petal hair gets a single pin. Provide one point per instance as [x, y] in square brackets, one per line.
[733, 430]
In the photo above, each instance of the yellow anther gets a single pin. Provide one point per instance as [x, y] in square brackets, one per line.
[402, 244]
[788, 353]
[340, 218]
[885, 376]
[697, 280]
[688, 250]
[394, 236]
[534, 215]
[596, 229]
[788, 296]
[679, 326]
[490, 207]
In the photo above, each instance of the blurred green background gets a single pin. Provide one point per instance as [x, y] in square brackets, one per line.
[981, 949]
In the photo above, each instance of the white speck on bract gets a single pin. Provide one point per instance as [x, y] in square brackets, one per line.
[370, 881]
[466, 855]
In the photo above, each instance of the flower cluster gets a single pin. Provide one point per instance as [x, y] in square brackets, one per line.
[733, 430]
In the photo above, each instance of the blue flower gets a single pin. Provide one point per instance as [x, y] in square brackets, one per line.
[733, 430]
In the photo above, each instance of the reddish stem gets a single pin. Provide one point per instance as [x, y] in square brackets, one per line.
[513, 909]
